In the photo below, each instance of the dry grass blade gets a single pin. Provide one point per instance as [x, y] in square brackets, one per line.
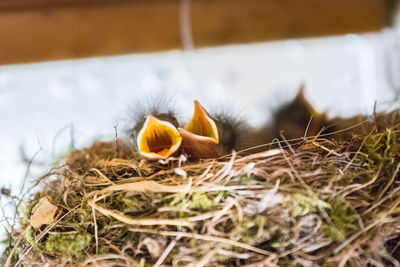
[130, 221]
[205, 238]
[146, 186]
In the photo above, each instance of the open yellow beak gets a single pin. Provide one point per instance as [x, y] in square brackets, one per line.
[202, 126]
[200, 137]
[158, 139]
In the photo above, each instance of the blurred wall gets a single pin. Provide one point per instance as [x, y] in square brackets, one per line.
[38, 30]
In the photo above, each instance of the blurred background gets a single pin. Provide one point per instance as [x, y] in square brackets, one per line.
[69, 69]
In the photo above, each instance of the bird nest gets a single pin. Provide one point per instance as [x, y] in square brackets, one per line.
[315, 201]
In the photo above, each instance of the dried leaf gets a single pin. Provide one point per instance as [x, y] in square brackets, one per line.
[43, 213]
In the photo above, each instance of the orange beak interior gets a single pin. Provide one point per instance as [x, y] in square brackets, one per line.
[202, 126]
[158, 139]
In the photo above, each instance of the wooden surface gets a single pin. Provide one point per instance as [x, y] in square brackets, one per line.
[37, 30]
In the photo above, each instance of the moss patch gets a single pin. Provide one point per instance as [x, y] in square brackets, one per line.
[68, 244]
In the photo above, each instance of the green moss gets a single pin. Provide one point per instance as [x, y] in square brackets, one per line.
[198, 202]
[136, 205]
[131, 203]
[343, 221]
[114, 232]
[201, 202]
[373, 146]
[253, 230]
[242, 180]
[31, 239]
[69, 244]
[285, 242]
[246, 230]
[221, 258]
[26, 212]
[301, 205]
[380, 151]
[380, 148]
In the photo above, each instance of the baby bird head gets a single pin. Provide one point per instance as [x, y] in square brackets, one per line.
[298, 118]
[202, 126]
[155, 132]
[158, 139]
[200, 135]
[207, 136]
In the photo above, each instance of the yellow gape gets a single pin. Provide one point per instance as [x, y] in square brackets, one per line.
[158, 139]
[202, 126]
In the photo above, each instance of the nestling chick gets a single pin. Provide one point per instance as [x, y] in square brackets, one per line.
[200, 137]
[155, 132]
[206, 136]
[157, 136]
[297, 119]
[158, 139]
